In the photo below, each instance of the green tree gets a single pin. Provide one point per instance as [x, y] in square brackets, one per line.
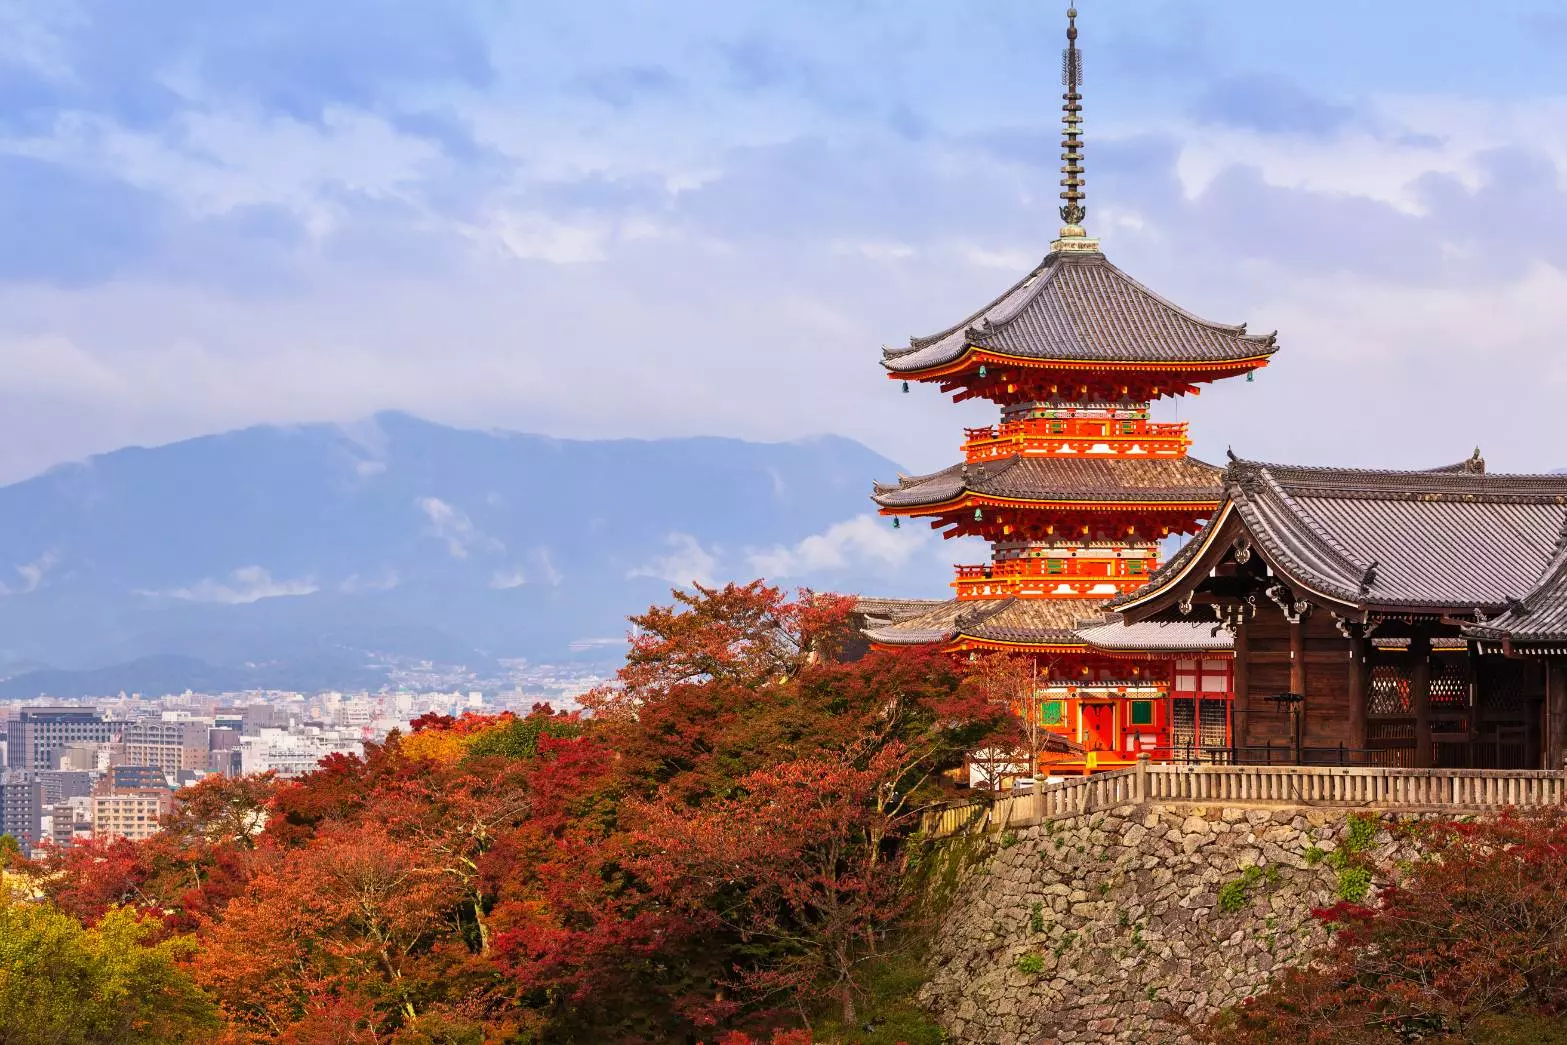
[61, 984]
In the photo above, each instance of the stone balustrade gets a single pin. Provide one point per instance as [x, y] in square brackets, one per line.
[1349, 787]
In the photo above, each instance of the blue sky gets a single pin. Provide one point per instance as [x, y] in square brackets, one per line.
[636, 218]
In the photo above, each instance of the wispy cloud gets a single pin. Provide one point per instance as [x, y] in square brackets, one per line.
[452, 525]
[687, 561]
[246, 584]
[31, 574]
[864, 542]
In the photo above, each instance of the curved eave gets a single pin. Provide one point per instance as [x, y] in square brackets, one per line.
[969, 499]
[973, 355]
[963, 643]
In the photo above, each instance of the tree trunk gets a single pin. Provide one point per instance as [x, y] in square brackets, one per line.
[846, 997]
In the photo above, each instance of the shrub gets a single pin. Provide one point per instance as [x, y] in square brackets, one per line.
[1471, 946]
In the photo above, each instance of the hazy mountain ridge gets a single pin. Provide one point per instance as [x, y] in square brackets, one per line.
[273, 545]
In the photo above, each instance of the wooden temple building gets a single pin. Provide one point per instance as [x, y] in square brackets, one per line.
[1074, 487]
[1396, 618]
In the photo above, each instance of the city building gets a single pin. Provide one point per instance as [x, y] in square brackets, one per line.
[170, 744]
[1075, 489]
[39, 735]
[21, 807]
[129, 814]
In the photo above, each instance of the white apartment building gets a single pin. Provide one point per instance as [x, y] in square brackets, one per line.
[132, 815]
[294, 754]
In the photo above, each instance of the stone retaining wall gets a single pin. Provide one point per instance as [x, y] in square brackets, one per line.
[1108, 928]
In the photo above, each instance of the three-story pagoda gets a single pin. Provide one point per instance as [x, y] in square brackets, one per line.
[1076, 486]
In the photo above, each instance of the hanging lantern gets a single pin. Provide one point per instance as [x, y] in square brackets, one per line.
[979, 513]
[896, 522]
[1251, 375]
[905, 388]
[982, 370]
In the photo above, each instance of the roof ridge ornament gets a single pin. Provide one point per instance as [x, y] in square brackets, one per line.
[1073, 238]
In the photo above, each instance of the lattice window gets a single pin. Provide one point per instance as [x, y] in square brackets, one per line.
[1449, 686]
[1505, 690]
[1142, 712]
[1183, 717]
[1389, 691]
[1052, 713]
[1214, 723]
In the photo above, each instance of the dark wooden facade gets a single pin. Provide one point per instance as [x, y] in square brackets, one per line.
[1384, 617]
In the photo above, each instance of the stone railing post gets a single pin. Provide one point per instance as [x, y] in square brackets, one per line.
[1140, 779]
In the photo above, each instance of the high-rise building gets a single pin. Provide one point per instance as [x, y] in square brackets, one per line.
[21, 807]
[1075, 489]
[39, 735]
[172, 746]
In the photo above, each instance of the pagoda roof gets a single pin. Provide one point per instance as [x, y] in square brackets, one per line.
[1180, 480]
[1077, 307]
[1453, 539]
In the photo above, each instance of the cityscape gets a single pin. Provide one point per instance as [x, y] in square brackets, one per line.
[111, 768]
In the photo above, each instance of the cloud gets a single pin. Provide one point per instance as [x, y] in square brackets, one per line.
[865, 542]
[1271, 104]
[385, 581]
[506, 579]
[452, 525]
[32, 574]
[246, 584]
[220, 215]
[688, 561]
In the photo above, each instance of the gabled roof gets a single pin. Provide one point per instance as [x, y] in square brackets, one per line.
[1181, 480]
[1450, 539]
[1078, 307]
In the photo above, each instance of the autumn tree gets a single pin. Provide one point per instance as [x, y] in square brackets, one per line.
[112, 984]
[791, 863]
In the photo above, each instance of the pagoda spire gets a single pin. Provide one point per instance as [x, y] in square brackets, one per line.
[1073, 237]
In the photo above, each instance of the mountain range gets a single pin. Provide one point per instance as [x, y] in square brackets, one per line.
[314, 555]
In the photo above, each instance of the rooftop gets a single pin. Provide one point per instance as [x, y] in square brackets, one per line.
[1077, 307]
[1180, 480]
[1452, 539]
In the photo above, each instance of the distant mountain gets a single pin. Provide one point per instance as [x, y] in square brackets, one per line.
[274, 547]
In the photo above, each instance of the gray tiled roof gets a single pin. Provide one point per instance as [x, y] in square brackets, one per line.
[1183, 480]
[1540, 616]
[1079, 307]
[994, 620]
[1454, 538]
[1116, 636]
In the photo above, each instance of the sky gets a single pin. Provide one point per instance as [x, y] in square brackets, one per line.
[629, 217]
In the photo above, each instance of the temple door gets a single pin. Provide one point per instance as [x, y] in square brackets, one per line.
[1099, 727]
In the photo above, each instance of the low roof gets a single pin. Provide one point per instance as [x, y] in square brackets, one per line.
[1008, 620]
[1449, 539]
[1179, 480]
[1077, 307]
[1116, 636]
[1541, 615]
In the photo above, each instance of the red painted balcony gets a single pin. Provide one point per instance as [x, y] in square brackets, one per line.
[1074, 437]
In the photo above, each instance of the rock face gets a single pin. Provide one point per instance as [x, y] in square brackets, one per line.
[1109, 927]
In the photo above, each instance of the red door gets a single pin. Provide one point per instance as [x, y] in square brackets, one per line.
[1099, 727]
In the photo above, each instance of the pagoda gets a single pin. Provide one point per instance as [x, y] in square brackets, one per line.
[1075, 488]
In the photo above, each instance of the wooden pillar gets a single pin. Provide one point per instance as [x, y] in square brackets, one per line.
[1298, 682]
[1240, 683]
[1420, 696]
[1359, 686]
[1555, 714]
